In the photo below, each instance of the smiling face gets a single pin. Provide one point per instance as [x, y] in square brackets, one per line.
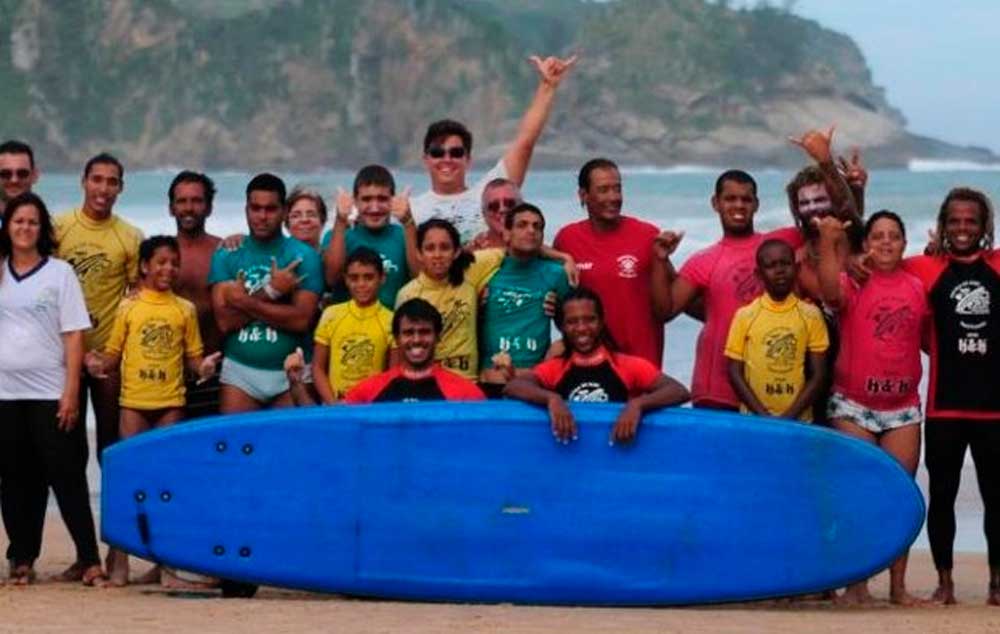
[886, 243]
[416, 341]
[363, 282]
[304, 221]
[437, 252]
[190, 208]
[447, 161]
[736, 205]
[963, 227]
[581, 325]
[497, 203]
[813, 200]
[264, 214]
[161, 270]
[25, 227]
[374, 203]
[101, 187]
[603, 195]
[17, 174]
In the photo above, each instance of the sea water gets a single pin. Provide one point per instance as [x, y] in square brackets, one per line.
[674, 198]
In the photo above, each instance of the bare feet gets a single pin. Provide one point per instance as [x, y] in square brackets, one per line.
[117, 568]
[903, 598]
[94, 576]
[856, 594]
[22, 575]
[177, 580]
[993, 596]
[153, 575]
[944, 594]
[71, 574]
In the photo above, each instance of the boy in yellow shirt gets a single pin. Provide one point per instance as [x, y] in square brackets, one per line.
[154, 337]
[770, 339]
[353, 339]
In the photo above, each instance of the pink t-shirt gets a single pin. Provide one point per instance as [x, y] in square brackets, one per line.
[616, 266]
[724, 273]
[878, 364]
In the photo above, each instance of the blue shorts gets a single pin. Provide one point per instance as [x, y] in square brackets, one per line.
[876, 421]
[260, 385]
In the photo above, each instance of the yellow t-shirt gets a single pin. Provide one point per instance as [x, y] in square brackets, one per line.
[359, 339]
[105, 256]
[458, 349]
[154, 332]
[771, 339]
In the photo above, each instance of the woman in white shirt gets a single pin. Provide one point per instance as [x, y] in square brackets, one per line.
[43, 439]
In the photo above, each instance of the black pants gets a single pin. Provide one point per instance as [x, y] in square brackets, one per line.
[947, 440]
[104, 393]
[34, 455]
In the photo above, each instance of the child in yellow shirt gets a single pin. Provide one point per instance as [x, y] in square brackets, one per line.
[353, 340]
[771, 338]
[154, 337]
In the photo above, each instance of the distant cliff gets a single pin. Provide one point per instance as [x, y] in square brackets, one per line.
[319, 83]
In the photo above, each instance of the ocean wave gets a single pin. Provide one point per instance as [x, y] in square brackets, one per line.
[933, 165]
[676, 169]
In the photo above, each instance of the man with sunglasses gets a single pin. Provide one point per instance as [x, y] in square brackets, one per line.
[17, 171]
[499, 196]
[448, 156]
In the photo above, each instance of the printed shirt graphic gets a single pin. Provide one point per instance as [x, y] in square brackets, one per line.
[458, 348]
[464, 210]
[154, 332]
[603, 377]
[258, 344]
[390, 244]
[772, 340]
[878, 364]
[359, 339]
[514, 319]
[105, 256]
[616, 266]
[724, 273]
[964, 298]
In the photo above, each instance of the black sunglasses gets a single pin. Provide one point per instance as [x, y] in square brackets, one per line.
[436, 152]
[501, 203]
[22, 174]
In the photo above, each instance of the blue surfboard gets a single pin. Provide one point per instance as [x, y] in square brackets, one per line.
[477, 502]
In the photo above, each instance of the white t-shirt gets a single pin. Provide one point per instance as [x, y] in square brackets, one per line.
[464, 209]
[34, 312]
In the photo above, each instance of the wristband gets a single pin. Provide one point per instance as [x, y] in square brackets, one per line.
[271, 292]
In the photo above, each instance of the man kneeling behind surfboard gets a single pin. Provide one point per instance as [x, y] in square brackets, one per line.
[416, 327]
[591, 370]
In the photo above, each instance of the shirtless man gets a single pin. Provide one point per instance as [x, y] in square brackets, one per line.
[191, 195]
[18, 173]
[448, 156]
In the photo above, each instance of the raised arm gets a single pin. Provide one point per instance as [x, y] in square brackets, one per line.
[551, 71]
[336, 253]
[663, 274]
[831, 260]
[400, 209]
[817, 144]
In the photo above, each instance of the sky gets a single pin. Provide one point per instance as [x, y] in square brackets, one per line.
[938, 61]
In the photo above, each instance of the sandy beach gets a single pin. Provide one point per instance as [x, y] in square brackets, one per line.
[56, 607]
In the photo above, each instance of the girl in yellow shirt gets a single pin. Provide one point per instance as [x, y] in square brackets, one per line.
[154, 337]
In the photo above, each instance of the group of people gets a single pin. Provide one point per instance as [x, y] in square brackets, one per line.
[452, 294]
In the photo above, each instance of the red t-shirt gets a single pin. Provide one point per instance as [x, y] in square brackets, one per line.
[604, 377]
[392, 385]
[616, 265]
[964, 298]
[881, 321]
[724, 273]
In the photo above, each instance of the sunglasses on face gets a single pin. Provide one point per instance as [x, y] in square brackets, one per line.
[437, 152]
[500, 204]
[22, 174]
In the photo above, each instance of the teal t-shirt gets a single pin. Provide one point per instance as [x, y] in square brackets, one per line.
[257, 344]
[514, 319]
[390, 243]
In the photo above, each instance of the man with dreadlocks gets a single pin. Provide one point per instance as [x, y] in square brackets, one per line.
[962, 281]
